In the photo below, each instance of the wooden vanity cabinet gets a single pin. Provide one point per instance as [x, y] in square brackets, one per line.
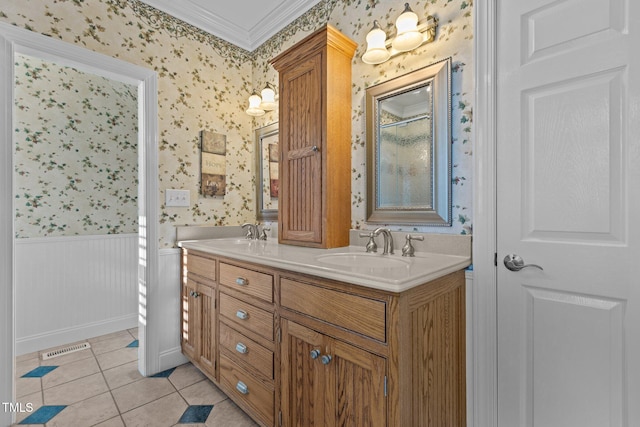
[299, 350]
[315, 140]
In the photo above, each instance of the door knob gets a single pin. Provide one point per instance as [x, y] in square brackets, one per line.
[315, 353]
[326, 359]
[515, 262]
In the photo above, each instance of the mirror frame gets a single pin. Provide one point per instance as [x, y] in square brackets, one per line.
[260, 134]
[440, 215]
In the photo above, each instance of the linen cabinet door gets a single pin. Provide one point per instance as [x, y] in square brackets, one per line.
[301, 143]
[303, 376]
[190, 319]
[356, 387]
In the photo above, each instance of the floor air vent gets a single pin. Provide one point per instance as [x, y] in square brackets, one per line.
[65, 350]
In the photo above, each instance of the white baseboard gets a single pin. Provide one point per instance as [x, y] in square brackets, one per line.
[172, 358]
[59, 337]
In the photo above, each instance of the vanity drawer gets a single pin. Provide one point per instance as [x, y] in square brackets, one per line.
[242, 313]
[246, 389]
[250, 282]
[358, 314]
[247, 350]
[200, 266]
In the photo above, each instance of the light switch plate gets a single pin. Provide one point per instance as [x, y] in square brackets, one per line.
[179, 198]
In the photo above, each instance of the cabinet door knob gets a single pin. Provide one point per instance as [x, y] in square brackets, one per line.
[315, 353]
[242, 315]
[326, 359]
[241, 281]
[242, 387]
[315, 148]
[241, 348]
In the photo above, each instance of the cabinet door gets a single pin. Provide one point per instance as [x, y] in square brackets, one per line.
[355, 381]
[190, 318]
[303, 380]
[207, 305]
[301, 145]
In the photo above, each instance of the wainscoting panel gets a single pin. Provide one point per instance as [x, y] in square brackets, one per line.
[71, 288]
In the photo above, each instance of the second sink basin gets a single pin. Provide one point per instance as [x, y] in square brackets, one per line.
[367, 261]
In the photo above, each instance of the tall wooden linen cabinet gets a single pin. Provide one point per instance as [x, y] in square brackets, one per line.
[315, 140]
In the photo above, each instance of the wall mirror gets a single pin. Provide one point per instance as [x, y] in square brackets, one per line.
[267, 161]
[408, 121]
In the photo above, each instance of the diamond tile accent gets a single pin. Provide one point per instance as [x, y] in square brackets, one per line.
[163, 374]
[134, 343]
[196, 414]
[44, 414]
[39, 372]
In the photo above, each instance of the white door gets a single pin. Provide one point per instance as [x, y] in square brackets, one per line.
[568, 172]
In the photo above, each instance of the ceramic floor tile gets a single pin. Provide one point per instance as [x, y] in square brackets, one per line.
[87, 412]
[113, 422]
[70, 371]
[111, 344]
[195, 414]
[43, 414]
[26, 366]
[28, 356]
[122, 375]
[186, 375]
[133, 332]
[228, 414]
[117, 357]
[75, 391]
[141, 392]
[40, 372]
[202, 393]
[33, 401]
[110, 336]
[25, 386]
[159, 413]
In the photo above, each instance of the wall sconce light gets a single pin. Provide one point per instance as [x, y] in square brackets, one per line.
[266, 101]
[409, 35]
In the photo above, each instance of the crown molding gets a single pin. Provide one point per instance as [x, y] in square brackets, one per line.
[211, 22]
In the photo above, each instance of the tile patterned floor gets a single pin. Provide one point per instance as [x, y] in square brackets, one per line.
[101, 386]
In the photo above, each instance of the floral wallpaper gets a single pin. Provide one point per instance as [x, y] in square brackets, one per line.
[204, 83]
[76, 165]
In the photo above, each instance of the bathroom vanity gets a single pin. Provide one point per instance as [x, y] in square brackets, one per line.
[303, 336]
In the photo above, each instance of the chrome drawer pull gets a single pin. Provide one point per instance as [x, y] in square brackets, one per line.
[241, 348]
[242, 315]
[242, 387]
[242, 281]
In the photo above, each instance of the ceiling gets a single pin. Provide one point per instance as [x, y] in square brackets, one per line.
[245, 23]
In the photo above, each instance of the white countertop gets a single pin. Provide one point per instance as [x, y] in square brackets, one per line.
[347, 264]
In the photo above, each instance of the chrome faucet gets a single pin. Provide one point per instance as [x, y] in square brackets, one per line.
[388, 239]
[252, 230]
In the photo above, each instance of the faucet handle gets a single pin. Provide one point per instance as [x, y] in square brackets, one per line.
[371, 244]
[408, 249]
[263, 233]
[250, 227]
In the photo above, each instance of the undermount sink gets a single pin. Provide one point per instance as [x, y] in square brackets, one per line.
[367, 261]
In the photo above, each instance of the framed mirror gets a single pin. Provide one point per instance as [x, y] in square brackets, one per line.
[267, 155]
[408, 123]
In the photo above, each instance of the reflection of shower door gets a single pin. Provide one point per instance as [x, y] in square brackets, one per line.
[404, 177]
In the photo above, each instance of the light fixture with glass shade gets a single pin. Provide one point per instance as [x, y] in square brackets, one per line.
[377, 51]
[254, 105]
[408, 37]
[268, 101]
[410, 34]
